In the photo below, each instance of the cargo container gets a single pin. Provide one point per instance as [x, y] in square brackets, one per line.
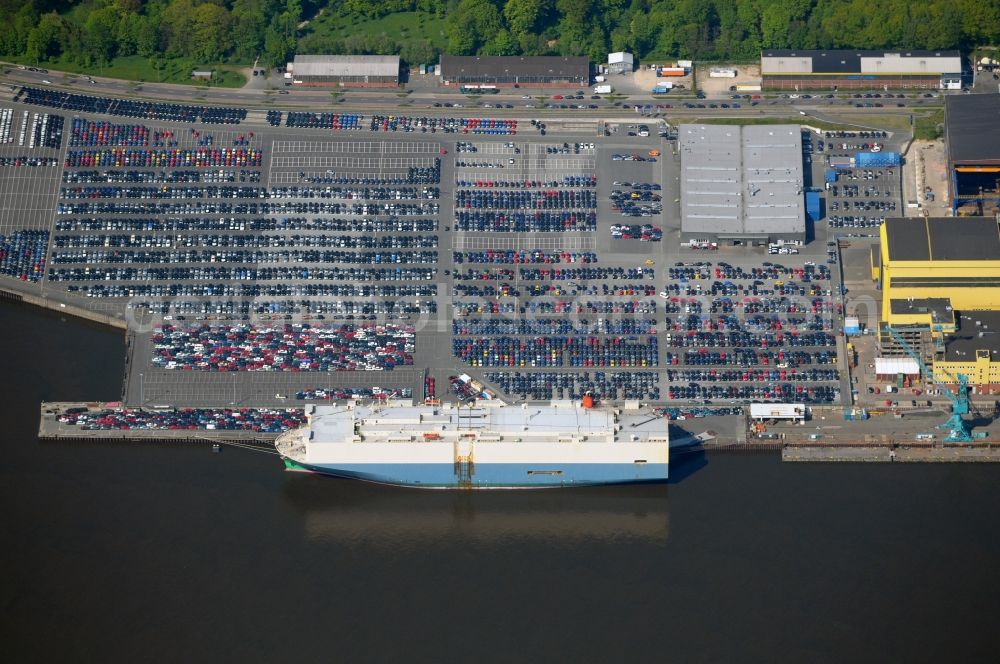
[813, 206]
[877, 159]
[830, 175]
[841, 162]
[671, 71]
[747, 87]
[662, 88]
[722, 72]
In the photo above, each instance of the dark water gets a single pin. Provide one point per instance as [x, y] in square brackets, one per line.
[113, 553]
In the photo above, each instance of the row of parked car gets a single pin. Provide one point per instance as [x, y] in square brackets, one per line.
[165, 157]
[549, 326]
[751, 357]
[301, 310]
[566, 181]
[756, 376]
[766, 393]
[304, 119]
[107, 272]
[22, 254]
[557, 351]
[297, 347]
[125, 256]
[24, 160]
[344, 393]
[220, 176]
[503, 199]
[511, 256]
[252, 241]
[546, 385]
[281, 224]
[745, 339]
[491, 306]
[525, 222]
[485, 126]
[147, 110]
[252, 290]
[260, 420]
[644, 233]
[216, 207]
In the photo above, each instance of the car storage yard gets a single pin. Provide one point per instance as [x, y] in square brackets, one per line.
[541, 265]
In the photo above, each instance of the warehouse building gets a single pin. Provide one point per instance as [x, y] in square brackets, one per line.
[930, 267]
[515, 71]
[741, 185]
[620, 63]
[973, 143]
[857, 70]
[362, 71]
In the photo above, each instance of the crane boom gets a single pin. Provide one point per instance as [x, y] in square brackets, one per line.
[958, 429]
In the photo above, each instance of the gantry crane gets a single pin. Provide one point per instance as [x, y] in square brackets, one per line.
[959, 431]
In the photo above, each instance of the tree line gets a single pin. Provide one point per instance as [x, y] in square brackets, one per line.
[238, 31]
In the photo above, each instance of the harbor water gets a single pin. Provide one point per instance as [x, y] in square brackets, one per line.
[171, 553]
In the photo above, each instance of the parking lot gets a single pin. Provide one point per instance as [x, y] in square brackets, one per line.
[857, 198]
[250, 257]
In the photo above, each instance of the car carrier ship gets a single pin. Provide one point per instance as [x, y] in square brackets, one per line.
[482, 446]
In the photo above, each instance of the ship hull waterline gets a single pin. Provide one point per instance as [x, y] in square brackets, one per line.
[492, 476]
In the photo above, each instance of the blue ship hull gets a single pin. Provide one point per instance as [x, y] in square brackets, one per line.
[492, 476]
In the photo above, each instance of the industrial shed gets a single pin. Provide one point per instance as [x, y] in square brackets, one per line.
[973, 144]
[516, 71]
[796, 412]
[345, 70]
[784, 69]
[741, 185]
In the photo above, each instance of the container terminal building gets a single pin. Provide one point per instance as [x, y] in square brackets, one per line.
[741, 185]
[940, 283]
[793, 70]
[973, 144]
[361, 71]
[515, 71]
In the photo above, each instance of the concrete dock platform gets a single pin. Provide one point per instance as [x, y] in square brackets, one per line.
[915, 454]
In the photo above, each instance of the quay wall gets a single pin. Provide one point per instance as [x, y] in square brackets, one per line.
[8, 295]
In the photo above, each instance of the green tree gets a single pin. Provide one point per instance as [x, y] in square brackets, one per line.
[502, 44]
[524, 16]
[100, 34]
[211, 35]
[471, 25]
[45, 39]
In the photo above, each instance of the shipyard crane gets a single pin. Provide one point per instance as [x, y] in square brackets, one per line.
[959, 431]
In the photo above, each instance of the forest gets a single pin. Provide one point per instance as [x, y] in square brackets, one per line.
[215, 32]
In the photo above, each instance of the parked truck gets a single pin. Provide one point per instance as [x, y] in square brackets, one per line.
[602, 89]
[662, 88]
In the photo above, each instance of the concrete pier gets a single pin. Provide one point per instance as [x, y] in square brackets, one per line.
[50, 428]
[981, 453]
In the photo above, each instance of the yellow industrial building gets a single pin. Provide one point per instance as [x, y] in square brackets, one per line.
[940, 282]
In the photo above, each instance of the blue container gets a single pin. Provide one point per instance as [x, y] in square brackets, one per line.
[877, 159]
[830, 175]
[813, 205]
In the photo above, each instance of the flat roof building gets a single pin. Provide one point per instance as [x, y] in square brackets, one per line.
[793, 69]
[516, 71]
[620, 63]
[929, 268]
[973, 145]
[741, 184]
[345, 70]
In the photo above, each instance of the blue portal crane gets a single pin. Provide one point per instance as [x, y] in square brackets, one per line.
[959, 431]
